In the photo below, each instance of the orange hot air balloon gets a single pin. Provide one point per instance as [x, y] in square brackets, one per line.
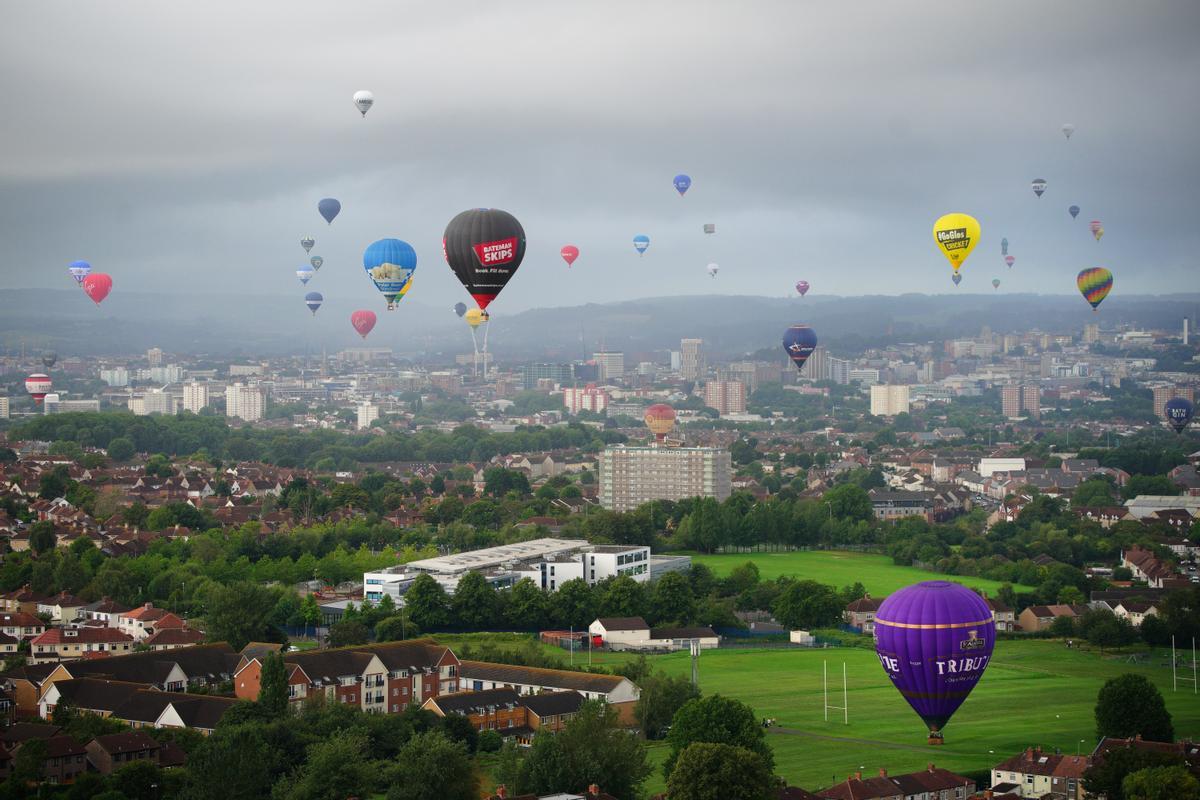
[660, 419]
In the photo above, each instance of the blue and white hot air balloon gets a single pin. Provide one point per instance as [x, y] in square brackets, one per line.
[682, 183]
[641, 242]
[313, 300]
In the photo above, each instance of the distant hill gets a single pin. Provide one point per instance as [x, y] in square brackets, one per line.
[249, 325]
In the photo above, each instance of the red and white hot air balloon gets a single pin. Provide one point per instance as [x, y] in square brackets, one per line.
[569, 253]
[97, 285]
[363, 322]
[38, 386]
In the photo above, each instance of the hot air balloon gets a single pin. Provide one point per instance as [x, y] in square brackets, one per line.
[1094, 284]
[460, 308]
[1010, 261]
[390, 264]
[404, 289]
[802, 287]
[995, 283]
[313, 300]
[660, 419]
[38, 386]
[474, 317]
[799, 341]
[49, 359]
[329, 208]
[1068, 129]
[934, 640]
[1178, 411]
[710, 227]
[484, 247]
[957, 278]
[363, 100]
[304, 274]
[713, 269]
[316, 262]
[641, 242]
[307, 243]
[682, 184]
[363, 321]
[1004, 246]
[569, 253]
[97, 285]
[956, 236]
[1097, 228]
[1073, 211]
[1039, 186]
[79, 270]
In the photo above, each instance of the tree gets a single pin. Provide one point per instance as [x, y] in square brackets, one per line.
[273, 685]
[427, 603]
[432, 767]
[473, 606]
[850, 502]
[1097, 492]
[42, 538]
[1063, 626]
[335, 768]
[527, 606]
[238, 613]
[392, 629]
[458, 728]
[622, 596]
[1161, 783]
[671, 600]
[137, 781]
[235, 763]
[1106, 776]
[310, 612]
[808, 605]
[1130, 705]
[120, 449]
[591, 748]
[707, 771]
[717, 720]
[661, 697]
[574, 604]
[348, 632]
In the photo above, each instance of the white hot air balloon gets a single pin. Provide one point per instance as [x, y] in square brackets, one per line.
[363, 100]
[712, 270]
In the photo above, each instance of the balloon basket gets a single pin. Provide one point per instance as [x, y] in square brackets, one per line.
[935, 738]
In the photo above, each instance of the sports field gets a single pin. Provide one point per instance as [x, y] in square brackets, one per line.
[1033, 693]
[839, 568]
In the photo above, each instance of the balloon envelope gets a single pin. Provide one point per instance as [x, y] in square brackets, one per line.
[1010, 261]
[1073, 211]
[38, 386]
[49, 358]
[363, 100]
[934, 640]
[1178, 411]
[390, 264]
[329, 208]
[1068, 129]
[682, 184]
[97, 285]
[79, 270]
[1094, 284]
[995, 283]
[956, 236]
[304, 274]
[1004, 246]
[799, 341]
[363, 321]
[1039, 186]
[802, 287]
[957, 278]
[313, 300]
[484, 247]
[460, 308]
[660, 419]
[713, 269]
[569, 253]
[316, 262]
[640, 243]
[307, 243]
[474, 317]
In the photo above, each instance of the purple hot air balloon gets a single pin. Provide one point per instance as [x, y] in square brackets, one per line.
[934, 640]
[802, 287]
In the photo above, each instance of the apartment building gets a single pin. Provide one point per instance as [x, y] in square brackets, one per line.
[631, 476]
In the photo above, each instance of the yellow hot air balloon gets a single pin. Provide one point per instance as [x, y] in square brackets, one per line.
[474, 317]
[956, 236]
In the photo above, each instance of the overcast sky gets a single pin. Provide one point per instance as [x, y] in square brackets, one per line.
[185, 146]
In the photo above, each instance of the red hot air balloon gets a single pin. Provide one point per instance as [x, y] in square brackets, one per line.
[97, 285]
[363, 322]
[569, 253]
[934, 640]
[660, 419]
[484, 247]
[38, 386]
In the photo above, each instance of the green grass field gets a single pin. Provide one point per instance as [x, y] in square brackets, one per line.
[839, 568]
[1033, 693]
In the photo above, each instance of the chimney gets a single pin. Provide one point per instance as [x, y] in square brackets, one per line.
[502, 791]
[882, 772]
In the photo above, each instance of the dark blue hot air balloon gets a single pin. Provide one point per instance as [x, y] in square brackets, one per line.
[934, 640]
[799, 341]
[682, 184]
[329, 208]
[1073, 211]
[460, 308]
[313, 300]
[1179, 412]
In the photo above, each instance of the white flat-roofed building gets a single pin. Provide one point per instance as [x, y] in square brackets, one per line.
[548, 562]
[988, 466]
[367, 413]
[631, 476]
[888, 400]
[3, 408]
[244, 402]
[195, 397]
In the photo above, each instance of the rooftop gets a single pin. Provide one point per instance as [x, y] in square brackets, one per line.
[495, 556]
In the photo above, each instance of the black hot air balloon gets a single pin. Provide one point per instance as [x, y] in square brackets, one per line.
[484, 247]
[49, 358]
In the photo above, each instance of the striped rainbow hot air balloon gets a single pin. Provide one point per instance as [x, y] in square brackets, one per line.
[1094, 284]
